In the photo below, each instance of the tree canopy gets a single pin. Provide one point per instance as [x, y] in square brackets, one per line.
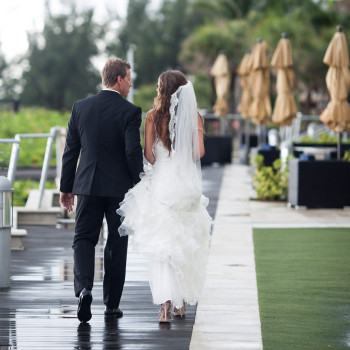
[60, 61]
[180, 34]
[157, 37]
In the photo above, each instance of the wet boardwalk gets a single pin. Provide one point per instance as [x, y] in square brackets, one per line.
[39, 310]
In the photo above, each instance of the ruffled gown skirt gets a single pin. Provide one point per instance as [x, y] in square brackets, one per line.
[166, 219]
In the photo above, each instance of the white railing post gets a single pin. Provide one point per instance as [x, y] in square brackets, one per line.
[46, 163]
[14, 157]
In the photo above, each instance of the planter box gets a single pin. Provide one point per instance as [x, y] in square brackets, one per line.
[253, 140]
[218, 149]
[270, 155]
[245, 150]
[320, 150]
[319, 183]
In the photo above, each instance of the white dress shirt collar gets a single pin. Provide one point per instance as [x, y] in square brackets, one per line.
[112, 90]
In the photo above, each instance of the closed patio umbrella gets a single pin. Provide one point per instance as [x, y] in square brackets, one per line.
[246, 97]
[337, 113]
[260, 109]
[285, 109]
[220, 71]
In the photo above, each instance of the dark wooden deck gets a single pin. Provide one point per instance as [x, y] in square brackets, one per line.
[38, 311]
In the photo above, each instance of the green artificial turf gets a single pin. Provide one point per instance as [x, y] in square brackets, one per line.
[303, 278]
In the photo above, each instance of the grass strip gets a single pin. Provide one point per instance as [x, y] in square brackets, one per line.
[303, 278]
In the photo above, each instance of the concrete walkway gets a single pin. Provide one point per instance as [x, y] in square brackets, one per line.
[228, 313]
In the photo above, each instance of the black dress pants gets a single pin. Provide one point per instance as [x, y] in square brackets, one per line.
[89, 218]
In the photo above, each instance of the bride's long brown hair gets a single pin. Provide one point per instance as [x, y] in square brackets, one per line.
[169, 82]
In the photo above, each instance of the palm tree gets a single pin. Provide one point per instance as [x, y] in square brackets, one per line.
[228, 9]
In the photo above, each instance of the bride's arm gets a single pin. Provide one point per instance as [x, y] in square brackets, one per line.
[200, 136]
[149, 138]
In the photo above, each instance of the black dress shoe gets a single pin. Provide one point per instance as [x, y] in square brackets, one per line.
[84, 305]
[113, 313]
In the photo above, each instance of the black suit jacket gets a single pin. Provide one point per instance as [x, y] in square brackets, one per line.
[105, 131]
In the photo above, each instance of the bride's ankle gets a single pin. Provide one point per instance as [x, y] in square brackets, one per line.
[164, 312]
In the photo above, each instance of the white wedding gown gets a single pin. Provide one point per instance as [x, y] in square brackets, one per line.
[166, 219]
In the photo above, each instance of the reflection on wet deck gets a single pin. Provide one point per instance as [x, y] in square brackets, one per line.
[61, 269]
[39, 310]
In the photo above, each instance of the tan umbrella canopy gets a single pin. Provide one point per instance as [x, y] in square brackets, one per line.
[246, 98]
[260, 109]
[221, 73]
[285, 109]
[337, 113]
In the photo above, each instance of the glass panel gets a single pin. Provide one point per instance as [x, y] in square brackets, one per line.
[6, 209]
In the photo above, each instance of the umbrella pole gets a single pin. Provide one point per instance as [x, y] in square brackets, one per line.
[263, 132]
[258, 131]
[222, 121]
[339, 146]
[246, 139]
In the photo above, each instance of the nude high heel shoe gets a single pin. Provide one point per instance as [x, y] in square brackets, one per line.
[180, 312]
[165, 313]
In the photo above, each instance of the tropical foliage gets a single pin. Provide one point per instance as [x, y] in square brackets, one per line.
[346, 156]
[323, 137]
[27, 121]
[61, 70]
[157, 37]
[180, 34]
[271, 183]
[23, 187]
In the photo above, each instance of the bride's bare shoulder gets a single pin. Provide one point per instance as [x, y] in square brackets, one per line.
[150, 115]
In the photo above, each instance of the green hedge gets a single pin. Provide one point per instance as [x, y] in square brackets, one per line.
[27, 121]
[23, 187]
[271, 183]
[323, 137]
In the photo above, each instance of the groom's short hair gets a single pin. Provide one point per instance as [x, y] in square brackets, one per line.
[114, 68]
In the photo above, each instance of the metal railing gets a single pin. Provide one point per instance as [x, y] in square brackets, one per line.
[14, 156]
[288, 134]
[51, 137]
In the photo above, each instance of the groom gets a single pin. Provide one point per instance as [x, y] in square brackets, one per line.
[104, 130]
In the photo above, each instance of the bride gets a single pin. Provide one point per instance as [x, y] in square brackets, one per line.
[165, 213]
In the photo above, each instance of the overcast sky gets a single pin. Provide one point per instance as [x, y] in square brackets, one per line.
[19, 16]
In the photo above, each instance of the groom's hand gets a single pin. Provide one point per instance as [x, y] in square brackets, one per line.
[67, 201]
